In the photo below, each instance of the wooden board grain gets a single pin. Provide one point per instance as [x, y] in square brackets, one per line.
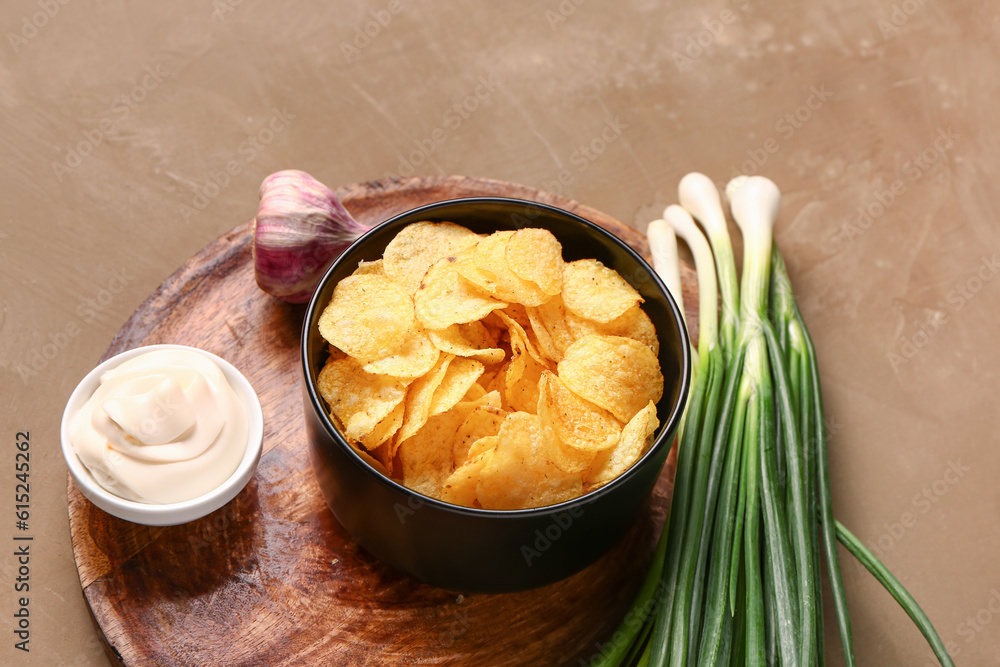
[272, 578]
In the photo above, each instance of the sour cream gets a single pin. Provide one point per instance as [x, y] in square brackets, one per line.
[162, 427]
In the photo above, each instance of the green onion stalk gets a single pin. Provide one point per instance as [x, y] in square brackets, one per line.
[769, 605]
[663, 248]
[681, 571]
[735, 578]
[699, 196]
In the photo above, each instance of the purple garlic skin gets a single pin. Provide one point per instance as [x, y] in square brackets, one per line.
[300, 229]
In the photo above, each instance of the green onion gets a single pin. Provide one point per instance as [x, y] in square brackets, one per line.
[896, 589]
[735, 579]
[695, 454]
[698, 195]
[813, 429]
[663, 248]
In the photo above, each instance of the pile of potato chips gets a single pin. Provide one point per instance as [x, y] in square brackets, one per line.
[486, 371]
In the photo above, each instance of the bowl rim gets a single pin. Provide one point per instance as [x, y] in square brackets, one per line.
[171, 513]
[667, 428]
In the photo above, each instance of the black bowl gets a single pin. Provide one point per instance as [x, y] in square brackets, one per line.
[476, 550]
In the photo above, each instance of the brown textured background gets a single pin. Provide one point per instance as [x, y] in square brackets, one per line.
[116, 117]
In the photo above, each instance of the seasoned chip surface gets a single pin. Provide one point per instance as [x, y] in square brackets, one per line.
[521, 472]
[618, 374]
[358, 400]
[535, 255]
[461, 375]
[634, 441]
[595, 292]
[483, 422]
[460, 488]
[369, 317]
[471, 339]
[575, 421]
[492, 272]
[419, 246]
[445, 298]
[415, 357]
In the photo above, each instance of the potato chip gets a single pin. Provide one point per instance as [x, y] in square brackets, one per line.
[460, 487]
[489, 373]
[426, 458]
[445, 298]
[489, 270]
[555, 328]
[370, 460]
[370, 268]
[595, 292]
[553, 334]
[465, 408]
[521, 383]
[482, 422]
[496, 327]
[535, 350]
[519, 339]
[521, 473]
[419, 246]
[462, 373]
[490, 253]
[543, 341]
[415, 358]
[385, 455]
[518, 313]
[635, 440]
[358, 400]
[535, 255]
[476, 391]
[571, 459]
[369, 317]
[634, 323]
[385, 429]
[491, 398]
[465, 264]
[468, 340]
[486, 443]
[419, 398]
[524, 371]
[618, 374]
[576, 422]
[498, 384]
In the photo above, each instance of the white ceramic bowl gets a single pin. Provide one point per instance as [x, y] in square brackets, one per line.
[173, 513]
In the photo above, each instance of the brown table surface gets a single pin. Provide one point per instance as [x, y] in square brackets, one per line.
[877, 120]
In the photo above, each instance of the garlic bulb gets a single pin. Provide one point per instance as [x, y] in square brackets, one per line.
[300, 228]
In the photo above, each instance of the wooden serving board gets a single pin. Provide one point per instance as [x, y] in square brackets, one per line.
[272, 578]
